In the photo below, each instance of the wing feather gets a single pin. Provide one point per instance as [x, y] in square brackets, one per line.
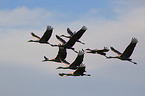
[79, 71]
[76, 37]
[129, 50]
[79, 59]
[62, 53]
[60, 39]
[115, 51]
[69, 32]
[65, 62]
[47, 34]
[34, 35]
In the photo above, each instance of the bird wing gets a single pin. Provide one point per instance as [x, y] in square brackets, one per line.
[61, 40]
[79, 71]
[61, 53]
[76, 37]
[65, 62]
[129, 50]
[69, 32]
[78, 60]
[47, 34]
[34, 35]
[115, 51]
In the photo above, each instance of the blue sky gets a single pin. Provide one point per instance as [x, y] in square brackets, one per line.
[109, 23]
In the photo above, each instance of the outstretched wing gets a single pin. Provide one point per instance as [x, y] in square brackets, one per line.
[78, 60]
[76, 37]
[115, 51]
[69, 32]
[34, 35]
[46, 36]
[80, 71]
[129, 50]
[61, 54]
[64, 62]
[61, 40]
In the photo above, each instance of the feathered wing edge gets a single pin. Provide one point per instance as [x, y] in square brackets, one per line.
[35, 36]
[130, 48]
[115, 51]
[69, 32]
[60, 39]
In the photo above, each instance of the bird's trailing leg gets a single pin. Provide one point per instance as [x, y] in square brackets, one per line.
[80, 42]
[87, 75]
[133, 62]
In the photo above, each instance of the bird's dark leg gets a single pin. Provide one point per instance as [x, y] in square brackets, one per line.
[133, 62]
[87, 75]
[80, 42]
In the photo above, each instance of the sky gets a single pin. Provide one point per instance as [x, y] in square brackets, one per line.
[109, 23]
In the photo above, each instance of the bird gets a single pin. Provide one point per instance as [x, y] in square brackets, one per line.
[127, 52]
[70, 43]
[70, 35]
[45, 37]
[62, 53]
[76, 62]
[98, 51]
[78, 72]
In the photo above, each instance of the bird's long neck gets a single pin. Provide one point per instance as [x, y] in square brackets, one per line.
[62, 68]
[112, 57]
[33, 41]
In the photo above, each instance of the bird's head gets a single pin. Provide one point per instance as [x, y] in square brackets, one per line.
[61, 74]
[45, 59]
[59, 68]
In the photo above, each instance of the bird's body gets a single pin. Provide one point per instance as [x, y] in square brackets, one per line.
[127, 52]
[98, 51]
[62, 53]
[45, 37]
[70, 43]
[76, 63]
[78, 72]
